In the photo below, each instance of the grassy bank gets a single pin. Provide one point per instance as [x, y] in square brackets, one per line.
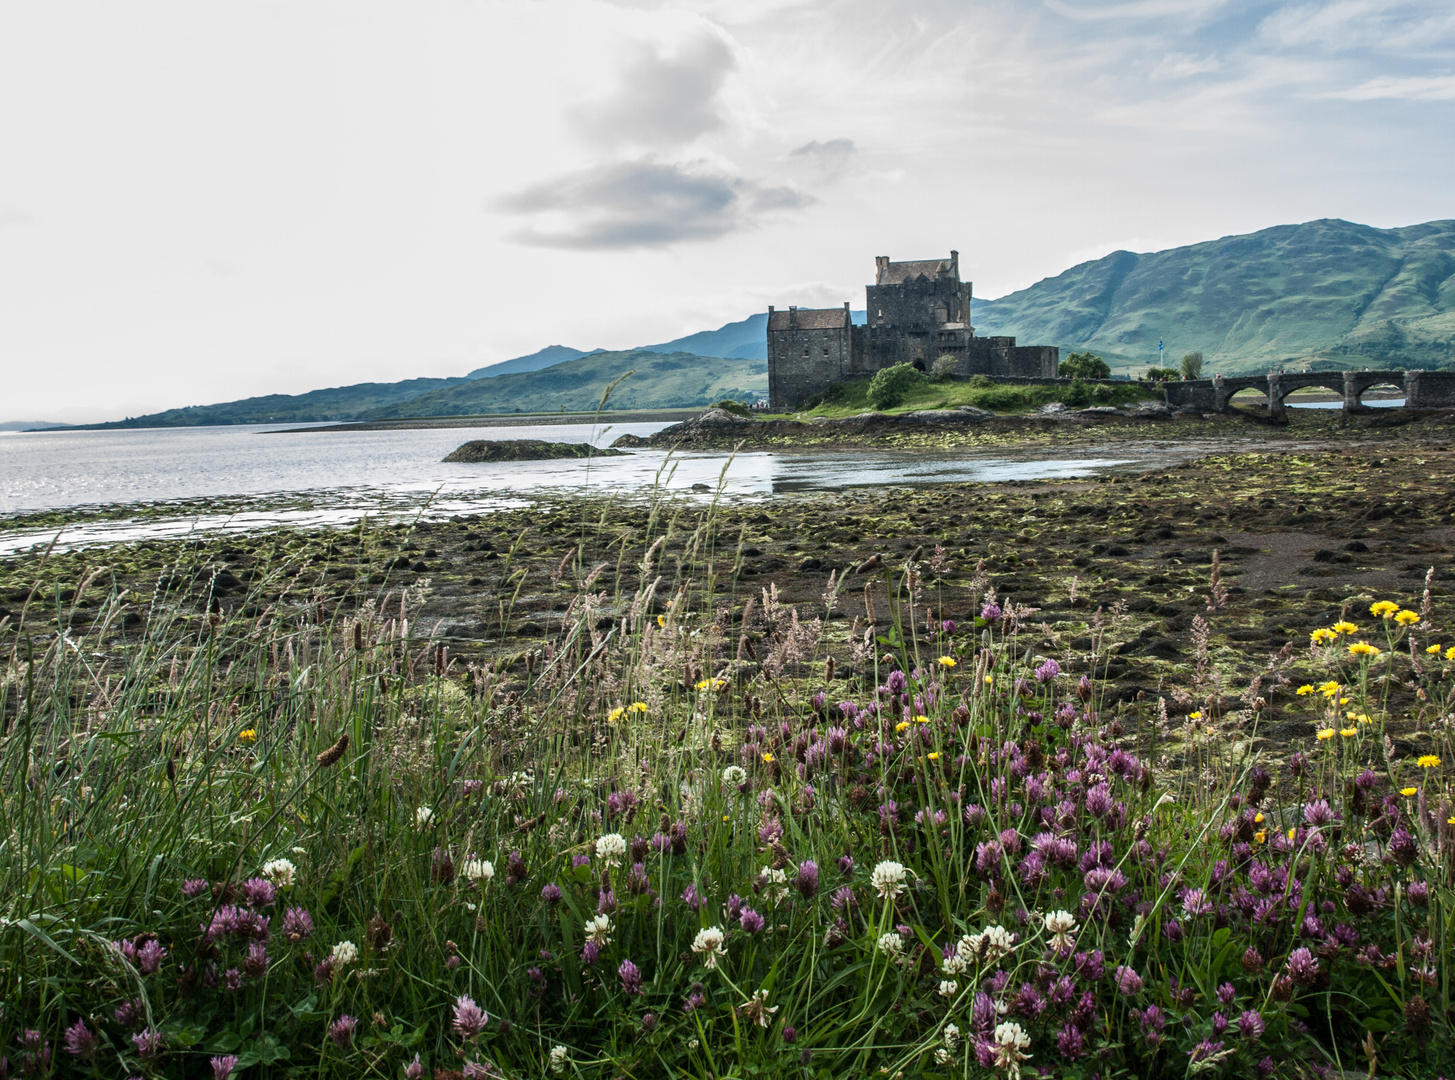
[848, 398]
[669, 819]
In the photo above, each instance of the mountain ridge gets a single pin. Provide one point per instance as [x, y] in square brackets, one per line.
[1327, 292]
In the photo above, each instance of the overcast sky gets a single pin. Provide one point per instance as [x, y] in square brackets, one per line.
[204, 200]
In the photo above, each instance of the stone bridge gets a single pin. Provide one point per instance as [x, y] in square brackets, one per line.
[1422, 389]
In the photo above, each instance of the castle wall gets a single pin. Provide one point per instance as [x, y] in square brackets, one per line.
[803, 360]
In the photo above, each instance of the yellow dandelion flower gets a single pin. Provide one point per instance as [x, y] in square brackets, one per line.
[934, 755]
[991, 678]
[1409, 792]
[1261, 836]
[1343, 626]
[1343, 701]
[248, 735]
[947, 661]
[1407, 617]
[1258, 819]
[901, 727]
[702, 684]
[1434, 650]
[1427, 761]
[1383, 609]
[1327, 733]
[1329, 689]
[637, 706]
[1195, 715]
[767, 758]
[727, 817]
[921, 719]
[616, 714]
[1450, 653]
[1321, 635]
[1363, 648]
[1292, 833]
[1348, 732]
[1305, 690]
[1363, 719]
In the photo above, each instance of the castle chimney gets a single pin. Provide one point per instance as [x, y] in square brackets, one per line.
[881, 267]
[955, 265]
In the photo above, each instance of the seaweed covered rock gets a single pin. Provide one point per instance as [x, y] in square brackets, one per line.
[480, 450]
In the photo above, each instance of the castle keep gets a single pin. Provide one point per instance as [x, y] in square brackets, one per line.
[917, 312]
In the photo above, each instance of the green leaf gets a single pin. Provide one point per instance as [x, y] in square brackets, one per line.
[224, 1042]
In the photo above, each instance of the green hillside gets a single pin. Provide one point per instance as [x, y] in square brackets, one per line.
[335, 403]
[1327, 292]
[662, 381]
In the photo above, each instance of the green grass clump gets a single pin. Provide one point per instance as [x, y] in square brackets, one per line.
[694, 831]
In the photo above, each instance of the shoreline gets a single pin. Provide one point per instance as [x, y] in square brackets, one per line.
[605, 419]
[1303, 532]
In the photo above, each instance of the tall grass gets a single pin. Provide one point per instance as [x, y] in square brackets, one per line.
[696, 832]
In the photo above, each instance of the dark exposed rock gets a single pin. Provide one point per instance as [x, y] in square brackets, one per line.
[480, 450]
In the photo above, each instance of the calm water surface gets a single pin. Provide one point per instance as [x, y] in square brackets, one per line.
[306, 477]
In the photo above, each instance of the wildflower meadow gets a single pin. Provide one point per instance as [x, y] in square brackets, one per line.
[694, 831]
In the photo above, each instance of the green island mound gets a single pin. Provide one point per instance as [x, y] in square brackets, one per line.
[478, 450]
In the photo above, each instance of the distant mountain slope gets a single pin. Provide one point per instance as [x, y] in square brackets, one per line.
[543, 358]
[1327, 291]
[662, 380]
[335, 403]
[745, 339]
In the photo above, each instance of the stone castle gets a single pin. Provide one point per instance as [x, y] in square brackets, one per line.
[917, 312]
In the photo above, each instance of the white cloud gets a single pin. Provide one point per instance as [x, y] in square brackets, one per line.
[642, 204]
[1412, 88]
[665, 98]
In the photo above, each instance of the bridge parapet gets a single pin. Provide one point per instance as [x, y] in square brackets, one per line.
[1429, 389]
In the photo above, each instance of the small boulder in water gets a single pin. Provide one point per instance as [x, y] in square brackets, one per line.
[481, 450]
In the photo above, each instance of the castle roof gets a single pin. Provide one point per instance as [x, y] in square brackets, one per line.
[809, 319]
[897, 273]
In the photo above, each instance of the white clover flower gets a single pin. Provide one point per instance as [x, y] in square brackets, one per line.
[480, 870]
[611, 848]
[559, 1056]
[943, 1056]
[423, 816]
[989, 945]
[598, 929]
[890, 944]
[954, 964]
[345, 952]
[951, 1035]
[1061, 925]
[888, 879]
[734, 775]
[1010, 1044]
[949, 988]
[280, 872]
[709, 943]
[775, 884]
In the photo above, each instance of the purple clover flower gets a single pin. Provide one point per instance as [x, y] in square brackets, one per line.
[81, 1041]
[631, 978]
[1251, 1025]
[1048, 671]
[259, 892]
[1129, 982]
[469, 1019]
[751, 921]
[192, 888]
[341, 1031]
[297, 924]
[148, 1043]
[1303, 966]
[807, 882]
[222, 1066]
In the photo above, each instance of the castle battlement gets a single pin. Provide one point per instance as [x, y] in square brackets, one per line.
[917, 312]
